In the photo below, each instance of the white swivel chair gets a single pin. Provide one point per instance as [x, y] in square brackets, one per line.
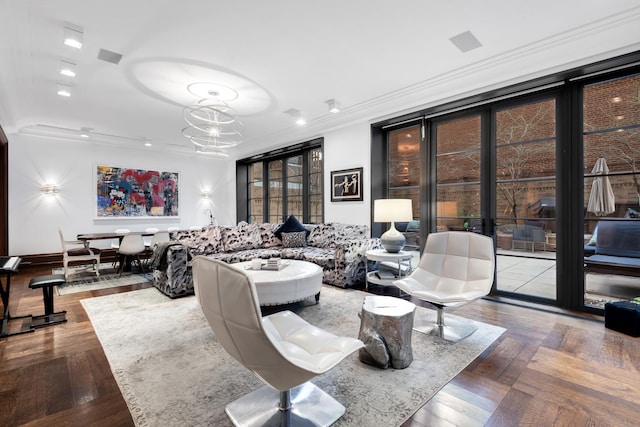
[281, 349]
[456, 268]
[75, 250]
[131, 247]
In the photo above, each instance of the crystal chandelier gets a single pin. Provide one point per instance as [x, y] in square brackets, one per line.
[212, 125]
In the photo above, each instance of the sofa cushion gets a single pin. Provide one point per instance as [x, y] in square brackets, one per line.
[290, 225]
[213, 237]
[322, 236]
[200, 242]
[618, 238]
[241, 237]
[296, 239]
[267, 233]
[247, 255]
[346, 232]
[324, 257]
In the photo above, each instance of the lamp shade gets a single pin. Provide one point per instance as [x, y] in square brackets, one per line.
[390, 210]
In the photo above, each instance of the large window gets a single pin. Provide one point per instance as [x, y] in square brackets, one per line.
[404, 166]
[458, 173]
[293, 178]
[531, 165]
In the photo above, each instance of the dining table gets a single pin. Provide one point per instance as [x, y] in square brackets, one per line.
[86, 238]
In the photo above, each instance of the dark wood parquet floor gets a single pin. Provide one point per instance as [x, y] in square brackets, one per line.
[547, 369]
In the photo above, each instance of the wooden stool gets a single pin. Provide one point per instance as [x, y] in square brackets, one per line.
[47, 283]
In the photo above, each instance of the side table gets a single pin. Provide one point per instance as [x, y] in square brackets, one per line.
[386, 324]
[391, 266]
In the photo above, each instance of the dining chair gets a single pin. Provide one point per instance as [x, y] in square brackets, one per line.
[115, 243]
[131, 247]
[76, 250]
[147, 239]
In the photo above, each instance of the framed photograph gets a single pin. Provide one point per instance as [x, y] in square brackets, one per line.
[346, 185]
[136, 193]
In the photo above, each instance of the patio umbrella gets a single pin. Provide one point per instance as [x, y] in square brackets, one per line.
[601, 200]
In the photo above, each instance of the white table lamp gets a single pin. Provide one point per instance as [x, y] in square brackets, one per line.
[391, 210]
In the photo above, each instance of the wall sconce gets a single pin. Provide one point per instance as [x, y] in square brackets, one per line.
[73, 36]
[205, 195]
[50, 189]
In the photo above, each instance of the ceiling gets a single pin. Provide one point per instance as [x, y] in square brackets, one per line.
[377, 58]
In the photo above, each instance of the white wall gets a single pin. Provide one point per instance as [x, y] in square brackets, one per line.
[347, 148]
[34, 218]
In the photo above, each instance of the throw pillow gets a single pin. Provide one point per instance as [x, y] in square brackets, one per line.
[290, 225]
[296, 239]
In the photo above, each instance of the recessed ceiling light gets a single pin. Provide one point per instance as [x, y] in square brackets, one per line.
[73, 36]
[334, 106]
[64, 90]
[297, 115]
[67, 68]
[85, 132]
[148, 144]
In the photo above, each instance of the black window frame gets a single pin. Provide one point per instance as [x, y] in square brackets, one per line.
[243, 177]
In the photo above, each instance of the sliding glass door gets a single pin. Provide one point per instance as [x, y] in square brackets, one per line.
[496, 175]
[541, 167]
[525, 198]
[611, 174]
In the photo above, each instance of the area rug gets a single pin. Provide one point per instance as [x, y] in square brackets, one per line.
[81, 280]
[172, 372]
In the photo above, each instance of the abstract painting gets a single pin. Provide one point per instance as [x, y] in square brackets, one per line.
[123, 192]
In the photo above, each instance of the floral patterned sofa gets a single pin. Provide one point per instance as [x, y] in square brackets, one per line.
[337, 248]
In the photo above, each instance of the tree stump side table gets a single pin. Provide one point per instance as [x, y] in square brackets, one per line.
[386, 324]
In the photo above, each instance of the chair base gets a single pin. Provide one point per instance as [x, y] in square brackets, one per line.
[452, 330]
[310, 406]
